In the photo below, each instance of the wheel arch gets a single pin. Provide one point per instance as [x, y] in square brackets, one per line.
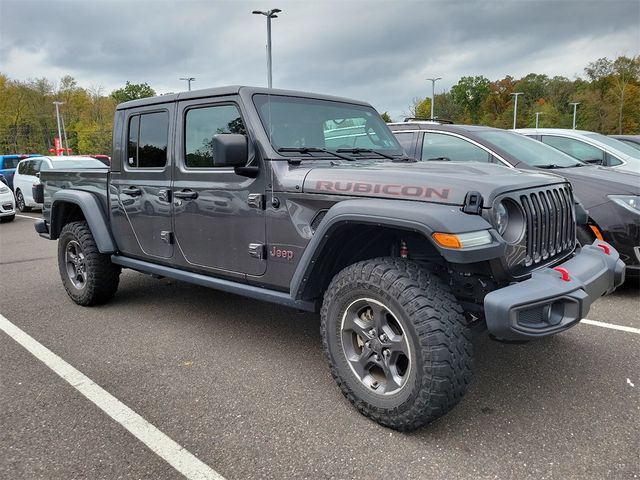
[75, 205]
[355, 230]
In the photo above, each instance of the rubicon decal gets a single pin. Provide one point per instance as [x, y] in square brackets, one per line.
[395, 190]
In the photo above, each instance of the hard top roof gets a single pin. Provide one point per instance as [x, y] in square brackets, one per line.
[229, 90]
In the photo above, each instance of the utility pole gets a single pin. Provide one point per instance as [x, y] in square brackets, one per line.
[57, 104]
[575, 107]
[515, 107]
[433, 93]
[189, 80]
[64, 133]
[537, 115]
[269, 14]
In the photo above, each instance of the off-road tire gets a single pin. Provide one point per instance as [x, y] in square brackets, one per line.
[8, 218]
[435, 327]
[101, 276]
[20, 203]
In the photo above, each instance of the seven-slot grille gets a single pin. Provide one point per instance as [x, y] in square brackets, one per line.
[551, 226]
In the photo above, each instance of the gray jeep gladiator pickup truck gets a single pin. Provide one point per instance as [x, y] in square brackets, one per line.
[309, 201]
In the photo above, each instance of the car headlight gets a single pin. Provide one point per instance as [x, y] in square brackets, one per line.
[630, 202]
[4, 189]
[508, 219]
[500, 217]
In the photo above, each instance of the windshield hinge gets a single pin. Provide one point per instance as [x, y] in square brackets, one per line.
[473, 203]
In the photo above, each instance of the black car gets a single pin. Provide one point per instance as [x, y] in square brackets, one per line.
[612, 197]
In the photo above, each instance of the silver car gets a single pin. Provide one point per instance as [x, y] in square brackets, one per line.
[589, 147]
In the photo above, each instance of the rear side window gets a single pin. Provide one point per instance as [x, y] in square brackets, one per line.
[201, 125]
[436, 146]
[575, 148]
[9, 163]
[148, 140]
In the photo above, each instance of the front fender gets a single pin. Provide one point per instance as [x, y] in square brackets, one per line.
[92, 211]
[420, 217]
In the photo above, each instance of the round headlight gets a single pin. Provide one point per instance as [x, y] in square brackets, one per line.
[500, 217]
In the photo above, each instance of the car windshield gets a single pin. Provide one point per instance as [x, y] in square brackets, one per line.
[305, 124]
[527, 150]
[614, 143]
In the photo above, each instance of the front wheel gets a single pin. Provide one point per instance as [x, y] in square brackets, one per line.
[88, 276]
[20, 203]
[396, 341]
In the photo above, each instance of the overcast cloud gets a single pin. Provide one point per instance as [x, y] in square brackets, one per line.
[378, 51]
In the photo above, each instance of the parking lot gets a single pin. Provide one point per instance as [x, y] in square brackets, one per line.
[244, 387]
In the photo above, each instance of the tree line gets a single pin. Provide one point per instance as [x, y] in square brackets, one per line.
[608, 93]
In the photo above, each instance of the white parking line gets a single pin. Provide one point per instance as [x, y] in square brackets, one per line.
[163, 446]
[27, 216]
[612, 326]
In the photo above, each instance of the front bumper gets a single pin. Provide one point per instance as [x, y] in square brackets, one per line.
[546, 303]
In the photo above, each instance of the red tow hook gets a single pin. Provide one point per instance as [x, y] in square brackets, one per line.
[564, 272]
[606, 248]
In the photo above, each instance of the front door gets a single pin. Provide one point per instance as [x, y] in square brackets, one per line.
[217, 214]
[142, 216]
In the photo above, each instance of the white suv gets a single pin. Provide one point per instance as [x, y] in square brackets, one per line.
[28, 174]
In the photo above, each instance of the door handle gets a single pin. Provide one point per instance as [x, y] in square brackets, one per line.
[186, 195]
[132, 191]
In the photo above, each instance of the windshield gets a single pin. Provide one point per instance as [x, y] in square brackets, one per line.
[299, 123]
[527, 150]
[614, 143]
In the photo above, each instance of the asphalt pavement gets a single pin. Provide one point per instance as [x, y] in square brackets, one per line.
[243, 386]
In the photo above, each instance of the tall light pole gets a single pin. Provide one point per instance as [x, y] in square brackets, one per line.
[57, 104]
[575, 107]
[537, 115]
[515, 107]
[188, 80]
[269, 14]
[433, 93]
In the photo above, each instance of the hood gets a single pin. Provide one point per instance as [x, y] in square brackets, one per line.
[436, 182]
[592, 184]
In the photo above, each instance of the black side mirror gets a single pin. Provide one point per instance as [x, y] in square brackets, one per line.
[230, 150]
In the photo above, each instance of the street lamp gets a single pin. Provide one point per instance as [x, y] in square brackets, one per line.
[515, 107]
[537, 115]
[575, 107]
[269, 14]
[433, 94]
[189, 80]
[57, 104]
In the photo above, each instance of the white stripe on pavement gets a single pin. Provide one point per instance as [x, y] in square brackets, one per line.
[163, 446]
[27, 216]
[622, 328]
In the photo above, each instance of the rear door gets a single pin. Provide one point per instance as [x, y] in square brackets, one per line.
[142, 216]
[219, 217]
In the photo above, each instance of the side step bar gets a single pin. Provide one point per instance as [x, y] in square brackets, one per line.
[250, 291]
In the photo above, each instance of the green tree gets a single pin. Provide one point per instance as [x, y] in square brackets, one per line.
[132, 91]
[470, 92]
[386, 117]
[420, 108]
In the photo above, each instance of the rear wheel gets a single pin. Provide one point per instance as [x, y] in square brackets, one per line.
[396, 341]
[20, 203]
[88, 276]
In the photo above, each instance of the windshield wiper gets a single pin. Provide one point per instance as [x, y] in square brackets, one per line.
[439, 159]
[551, 166]
[315, 149]
[369, 150]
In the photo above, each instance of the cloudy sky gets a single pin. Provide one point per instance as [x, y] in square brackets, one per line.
[378, 51]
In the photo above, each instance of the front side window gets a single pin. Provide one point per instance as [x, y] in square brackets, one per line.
[295, 122]
[10, 162]
[148, 140]
[201, 125]
[22, 166]
[437, 146]
[575, 148]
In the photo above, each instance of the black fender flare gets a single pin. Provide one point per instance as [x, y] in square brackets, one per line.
[93, 213]
[423, 218]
